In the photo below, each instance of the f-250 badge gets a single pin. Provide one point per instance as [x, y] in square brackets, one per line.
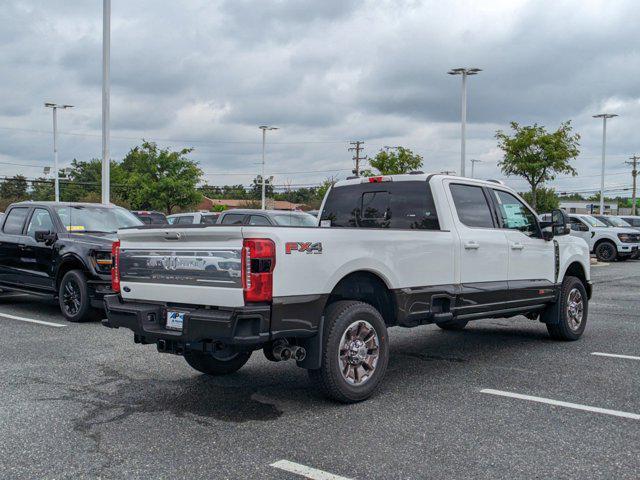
[301, 247]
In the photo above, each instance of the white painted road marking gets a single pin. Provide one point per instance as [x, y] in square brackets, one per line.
[615, 355]
[549, 401]
[304, 471]
[31, 320]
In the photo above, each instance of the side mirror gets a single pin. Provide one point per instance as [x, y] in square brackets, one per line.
[46, 237]
[560, 223]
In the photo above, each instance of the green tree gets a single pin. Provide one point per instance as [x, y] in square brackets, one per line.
[537, 155]
[161, 179]
[546, 198]
[14, 188]
[256, 188]
[42, 189]
[394, 161]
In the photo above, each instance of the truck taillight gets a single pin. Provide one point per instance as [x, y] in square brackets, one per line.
[115, 266]
[258, 262]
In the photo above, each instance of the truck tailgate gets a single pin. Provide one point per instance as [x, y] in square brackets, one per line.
[199, 266]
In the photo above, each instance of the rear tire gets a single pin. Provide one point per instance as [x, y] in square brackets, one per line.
[567, 318]
[453, 325]
[210, 365]
[73, 297]
[606, 251]
[355, 352]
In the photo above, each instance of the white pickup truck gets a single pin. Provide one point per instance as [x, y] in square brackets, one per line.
[402, 250]
[607, 242]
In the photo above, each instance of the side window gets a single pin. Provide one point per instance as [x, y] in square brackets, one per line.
[471, 205]
[15, 221]
[233, 219]
[515, 215]
[40, 220]
[209, 219]
[578, 226]
[187, 220]
[172, 220]
[258, 220]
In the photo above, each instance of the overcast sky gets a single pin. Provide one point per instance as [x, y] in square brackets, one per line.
[205, 74]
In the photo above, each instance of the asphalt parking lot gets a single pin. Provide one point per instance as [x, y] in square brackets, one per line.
[82, 401]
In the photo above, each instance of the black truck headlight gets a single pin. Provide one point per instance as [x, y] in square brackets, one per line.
[625, 237]
[102, 261]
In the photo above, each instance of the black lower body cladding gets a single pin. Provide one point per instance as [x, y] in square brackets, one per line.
[247, 326]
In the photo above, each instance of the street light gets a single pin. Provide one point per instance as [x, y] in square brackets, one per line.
[604, 117]
[465, 72]
[106, 96]
[473, 163]
[264, 129]
[54, 107]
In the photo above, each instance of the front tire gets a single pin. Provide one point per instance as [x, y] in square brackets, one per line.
[210, 365]
[73, 297]
[606, 252]
[567, 318]
[355, 352]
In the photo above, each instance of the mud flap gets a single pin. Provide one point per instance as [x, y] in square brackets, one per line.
[313, 346]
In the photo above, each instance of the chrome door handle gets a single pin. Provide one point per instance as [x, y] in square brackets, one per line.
[517, 246]
[472, 245]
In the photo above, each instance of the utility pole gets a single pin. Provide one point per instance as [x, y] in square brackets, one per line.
[473, 163]
[357, 147]
[634, 174]
[106, 99]
[264, 129]
[56, 180]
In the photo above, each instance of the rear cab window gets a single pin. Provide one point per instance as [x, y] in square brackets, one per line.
[404, 205]
[14, 223]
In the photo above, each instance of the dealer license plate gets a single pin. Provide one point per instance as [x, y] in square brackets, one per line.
[175, 320]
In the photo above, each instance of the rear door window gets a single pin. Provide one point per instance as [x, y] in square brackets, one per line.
[472, 206]
[14, 222]
[399, 205]
[208, 219]
[186, 220]
[233, 219]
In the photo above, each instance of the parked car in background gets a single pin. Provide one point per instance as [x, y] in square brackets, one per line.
[273, 218]
[613, 221]
[632, 220]
[607, 243]
[63, 250]
[151, 218]
[193, 218]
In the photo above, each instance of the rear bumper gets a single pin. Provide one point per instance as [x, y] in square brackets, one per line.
[247, 326]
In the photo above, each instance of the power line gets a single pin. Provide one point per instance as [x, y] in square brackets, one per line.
[357, 147]
[634, 175]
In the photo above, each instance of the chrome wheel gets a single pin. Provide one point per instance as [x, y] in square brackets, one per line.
[72, 297]
[358, 353]
[575, 309]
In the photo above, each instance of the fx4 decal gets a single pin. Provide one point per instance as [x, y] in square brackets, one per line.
[307, 247]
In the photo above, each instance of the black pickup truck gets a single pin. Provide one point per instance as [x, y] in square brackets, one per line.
[62, 250]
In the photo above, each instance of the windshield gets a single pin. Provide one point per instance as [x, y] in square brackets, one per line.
[295, 220]
[616, 222]
[594, 222]
[89, 218]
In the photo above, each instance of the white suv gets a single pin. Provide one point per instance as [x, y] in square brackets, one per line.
[608, 243]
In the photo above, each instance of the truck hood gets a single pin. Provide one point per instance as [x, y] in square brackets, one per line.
[98, 239]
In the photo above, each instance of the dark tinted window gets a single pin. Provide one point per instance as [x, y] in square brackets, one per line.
[258, 220]
[15, 220]
[471, 205]
[185, 220]
[635, 222]
[399, 205]
[209, 219]
[233, 219]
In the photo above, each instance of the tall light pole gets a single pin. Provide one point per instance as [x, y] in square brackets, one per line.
[264, 129]
[604, 117]
[106, 93]
[465, 72]
[473, 163]
[56, 181]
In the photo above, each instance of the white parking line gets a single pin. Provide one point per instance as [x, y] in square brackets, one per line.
[31, 320]
[549, 401]
[304, 471]
[615, 355]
